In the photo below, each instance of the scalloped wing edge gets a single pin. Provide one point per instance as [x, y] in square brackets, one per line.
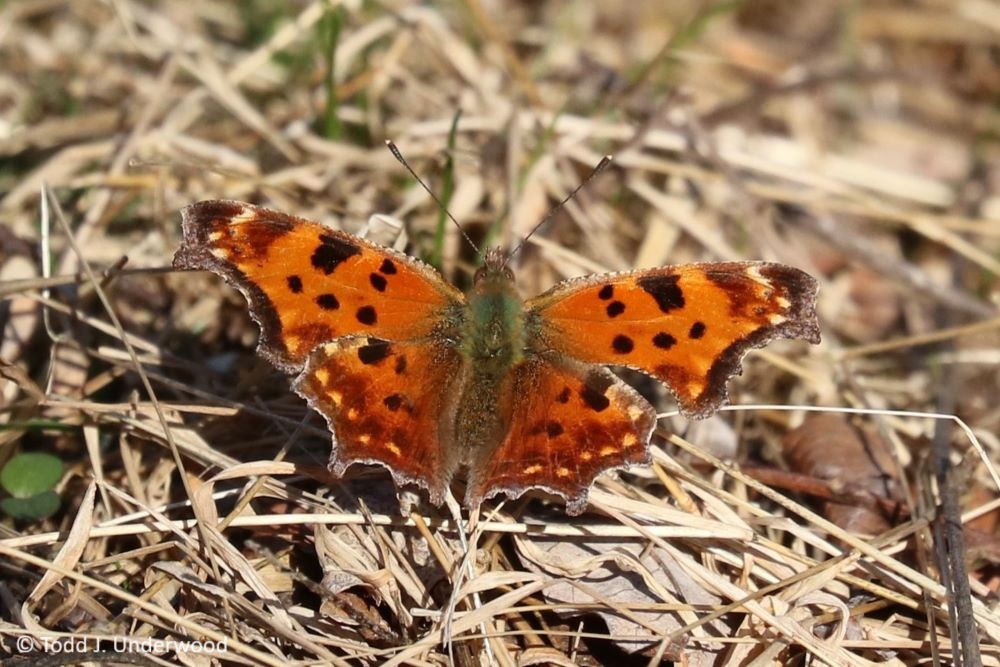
[194, 254]
[802, 323]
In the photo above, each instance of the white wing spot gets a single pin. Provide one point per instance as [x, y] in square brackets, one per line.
[754, 273]
[245, 216]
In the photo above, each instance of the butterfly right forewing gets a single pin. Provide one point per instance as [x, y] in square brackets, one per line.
[688, 326]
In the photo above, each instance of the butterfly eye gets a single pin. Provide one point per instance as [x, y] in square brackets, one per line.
[496, 271]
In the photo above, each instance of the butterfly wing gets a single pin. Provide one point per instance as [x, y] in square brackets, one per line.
[386, 403]
[307, 284]
[688, 326]
[568, 423]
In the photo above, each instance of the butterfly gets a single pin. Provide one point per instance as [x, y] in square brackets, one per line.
[430, 382]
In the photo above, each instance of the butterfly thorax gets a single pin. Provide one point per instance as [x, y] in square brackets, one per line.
[493, 335]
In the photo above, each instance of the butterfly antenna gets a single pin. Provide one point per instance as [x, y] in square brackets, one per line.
[605, 161]
[399, 156]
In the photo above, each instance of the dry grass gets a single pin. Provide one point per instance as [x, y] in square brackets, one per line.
[858, 142]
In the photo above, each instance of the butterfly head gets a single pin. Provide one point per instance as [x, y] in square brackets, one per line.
[494, 268]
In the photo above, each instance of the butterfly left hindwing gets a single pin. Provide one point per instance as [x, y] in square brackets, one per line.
[386, 403]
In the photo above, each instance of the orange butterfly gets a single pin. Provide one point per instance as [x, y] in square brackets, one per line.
[414, 375]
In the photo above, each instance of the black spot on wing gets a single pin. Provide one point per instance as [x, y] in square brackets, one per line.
[331, 252]
[563, 396]
[367, 315]
[664, 341]
[664, 290]
[388, 268]
[378, 281]
[294, 284]
[622, 344]
[606, 292]
[554, 429]
[400, 364]
[697, 330]
[327, 302]
[374, 352]
[615, 308]
[594, 388]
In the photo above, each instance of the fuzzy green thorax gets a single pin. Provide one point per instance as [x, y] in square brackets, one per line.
[493, 335]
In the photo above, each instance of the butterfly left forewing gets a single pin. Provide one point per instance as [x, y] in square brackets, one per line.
[307, 284]
[567, 423]
[689, 325]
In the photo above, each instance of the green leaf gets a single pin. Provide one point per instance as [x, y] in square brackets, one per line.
[37, 507]
[30, 473]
